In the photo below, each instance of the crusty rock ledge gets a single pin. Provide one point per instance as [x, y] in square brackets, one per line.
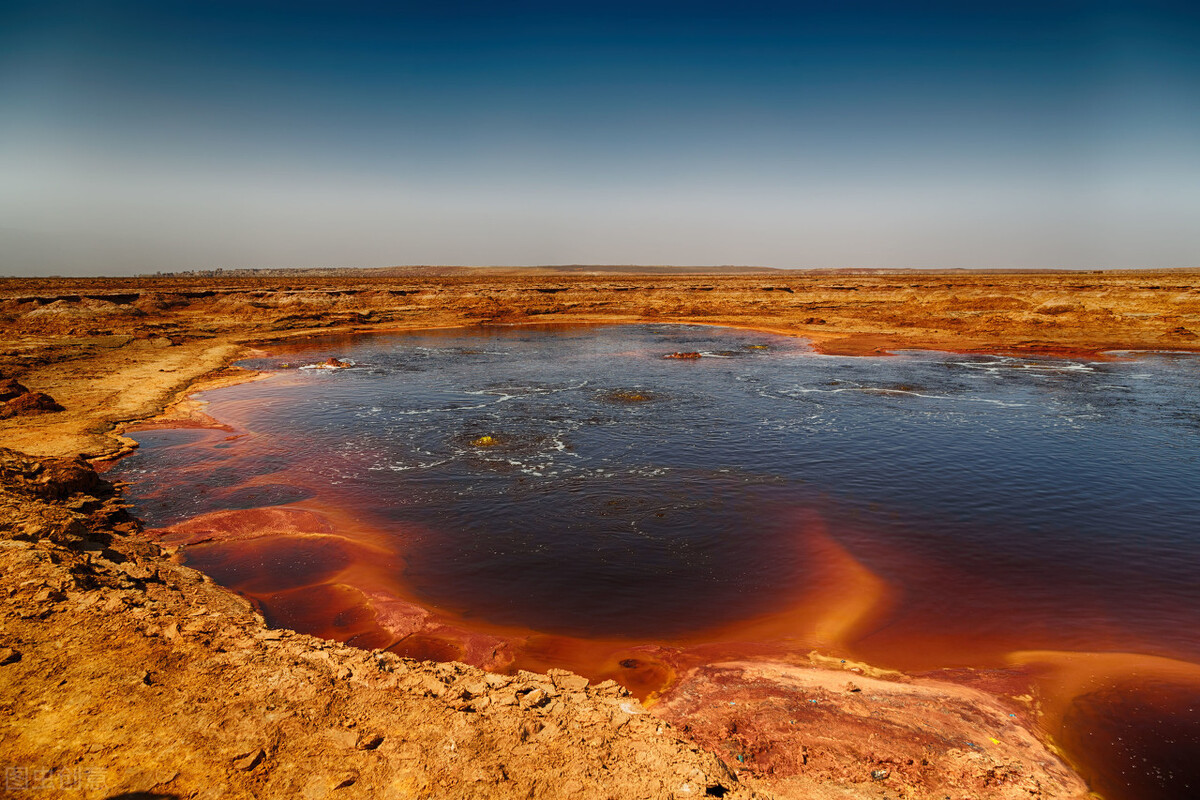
[124, 672]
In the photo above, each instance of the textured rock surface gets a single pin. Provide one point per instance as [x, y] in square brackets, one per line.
[123, 672]
[812, 733]
[20, 402]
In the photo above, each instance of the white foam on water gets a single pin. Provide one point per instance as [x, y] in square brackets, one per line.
[394, 466]
[992, 401]
[789, 394]
[1020, 365]
[507, 393]
[1153, 352]
[416, 412]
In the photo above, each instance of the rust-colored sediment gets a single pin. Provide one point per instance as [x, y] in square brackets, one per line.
[807, 730]
[748, 690]
[333, 554]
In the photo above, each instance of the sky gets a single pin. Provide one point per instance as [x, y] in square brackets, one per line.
[173, 135]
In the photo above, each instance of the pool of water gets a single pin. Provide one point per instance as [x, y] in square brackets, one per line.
[920, 511]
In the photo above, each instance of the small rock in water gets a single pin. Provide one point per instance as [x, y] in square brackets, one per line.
[629, 397]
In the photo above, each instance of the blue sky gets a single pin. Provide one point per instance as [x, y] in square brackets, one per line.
[139, 136]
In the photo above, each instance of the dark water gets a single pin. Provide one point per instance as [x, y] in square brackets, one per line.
[1009, 503]
[1140, 740]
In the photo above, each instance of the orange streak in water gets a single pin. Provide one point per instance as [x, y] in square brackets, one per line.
[840, 599]
[1061, 677]
[836, 598]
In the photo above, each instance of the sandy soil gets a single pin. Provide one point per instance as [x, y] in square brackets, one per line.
[125, 669]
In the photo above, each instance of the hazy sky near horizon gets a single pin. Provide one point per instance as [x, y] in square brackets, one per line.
[145, 136]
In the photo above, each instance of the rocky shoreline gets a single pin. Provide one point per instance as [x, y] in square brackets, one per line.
[124, 672]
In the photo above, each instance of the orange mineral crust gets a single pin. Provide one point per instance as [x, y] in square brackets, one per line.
[748, 691]
[329, 575]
